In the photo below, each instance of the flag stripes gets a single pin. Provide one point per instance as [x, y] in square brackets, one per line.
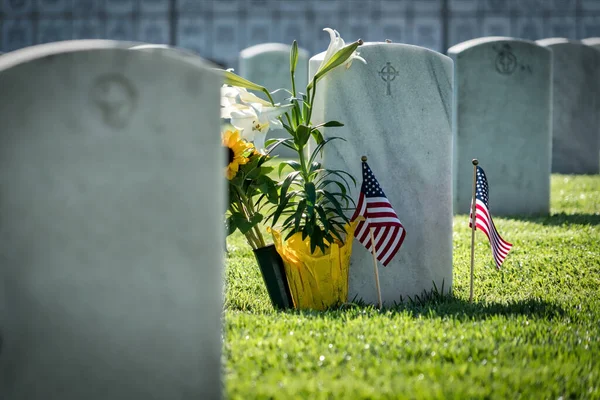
[379, 215]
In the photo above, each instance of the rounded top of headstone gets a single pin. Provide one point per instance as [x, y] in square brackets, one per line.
[163, 48]
[259, 49]
[150, 46]
[576, 45]
[31, 53]
[592, 41]
[469, 44]
[554, 41]
[387, 45]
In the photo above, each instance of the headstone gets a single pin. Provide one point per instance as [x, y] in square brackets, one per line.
[191, 55]
[268, 65]
[396, 110]
[502, 117]
[595, 43]
[576, 99]
[110, 241]
[592, 41]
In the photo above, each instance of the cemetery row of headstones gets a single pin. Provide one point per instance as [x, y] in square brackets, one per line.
[111, 241]
[533, 91]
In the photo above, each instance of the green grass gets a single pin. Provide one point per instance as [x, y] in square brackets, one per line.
[533, 331]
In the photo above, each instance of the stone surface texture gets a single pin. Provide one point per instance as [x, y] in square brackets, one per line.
[397, 110]
[576, 105]
[111, 234]
[503, 117]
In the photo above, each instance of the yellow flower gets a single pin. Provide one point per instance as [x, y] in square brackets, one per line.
[235, 147]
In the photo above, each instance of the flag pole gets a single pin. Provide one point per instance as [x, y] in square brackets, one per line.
[473, 214]
[374, 251]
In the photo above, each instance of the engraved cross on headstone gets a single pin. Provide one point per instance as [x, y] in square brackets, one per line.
[388, 74]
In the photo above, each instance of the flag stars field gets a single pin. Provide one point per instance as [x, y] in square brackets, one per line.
[532, 331]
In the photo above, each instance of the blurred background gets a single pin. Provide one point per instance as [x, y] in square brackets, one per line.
[219, 29]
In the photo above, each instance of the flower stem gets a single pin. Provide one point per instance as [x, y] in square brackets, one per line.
[312, 101]
[293, 84]
[269, 96]
[249, 212]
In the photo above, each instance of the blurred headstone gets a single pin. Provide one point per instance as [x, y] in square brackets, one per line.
[576, 116]
[502, 117]
[111, 243]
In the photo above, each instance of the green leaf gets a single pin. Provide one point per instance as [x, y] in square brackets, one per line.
[273, 194]
[235, 80]
[316, 239]
[336, 205]
[330, 124]
[288, 128]
[295, 165]
[272, 144]
[314, 167]
[296, 112]
[311, 198]
[305, 105]
[230, 225]
[340, 57]
[266, 170]
[317, 136]
[339, 173]
[320, 144]
[243, 224]
[323, 218]
[298, 215]
[302, 136]
[311, 193]
[326, 182]
[280, 208]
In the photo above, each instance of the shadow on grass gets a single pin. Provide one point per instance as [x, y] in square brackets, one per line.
[559, 219]
[436, 304]
[554, 219]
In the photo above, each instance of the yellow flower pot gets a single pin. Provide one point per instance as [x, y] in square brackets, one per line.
[319, 280]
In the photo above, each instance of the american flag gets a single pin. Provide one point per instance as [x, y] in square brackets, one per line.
[379, 214]
[484, 222]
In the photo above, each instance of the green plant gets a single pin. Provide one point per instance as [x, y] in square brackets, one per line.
[312, 200]
[250, 188]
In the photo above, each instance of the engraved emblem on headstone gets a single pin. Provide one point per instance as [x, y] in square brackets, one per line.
[388, 74]
[115, 98]
[506, 61]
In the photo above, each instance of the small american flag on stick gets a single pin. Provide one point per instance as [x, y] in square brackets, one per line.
[378, 213]
[484, 221]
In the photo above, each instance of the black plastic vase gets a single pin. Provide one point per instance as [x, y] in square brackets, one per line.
[273, 273]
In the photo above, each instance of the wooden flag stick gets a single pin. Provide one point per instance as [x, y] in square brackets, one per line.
[374, 251]
[473, 213]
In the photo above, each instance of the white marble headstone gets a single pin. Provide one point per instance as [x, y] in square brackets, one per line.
[576, 116]
[503, 117]
[111, 233]
[397, 110]
[268, 65]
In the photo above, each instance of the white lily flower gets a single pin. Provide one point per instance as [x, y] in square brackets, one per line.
[336, 43]
[250, 114]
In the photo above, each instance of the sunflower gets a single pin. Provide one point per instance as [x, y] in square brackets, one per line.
[235, 147]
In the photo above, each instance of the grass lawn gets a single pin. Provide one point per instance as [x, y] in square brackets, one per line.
[533, 331]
